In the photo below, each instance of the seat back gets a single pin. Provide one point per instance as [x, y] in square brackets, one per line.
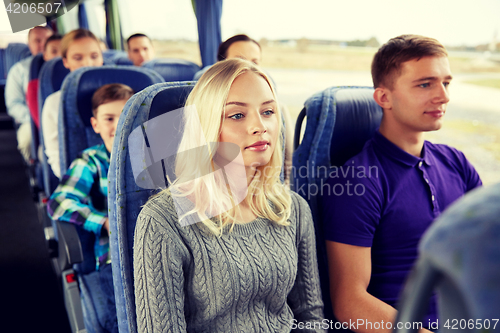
[75, 130]
[3, 72]
[459, 257]
[50, 80]
[32, 103]
[199, 73]
[116, 57]
[125, 197]
[339, 122]
[14, 53]
[173, 69]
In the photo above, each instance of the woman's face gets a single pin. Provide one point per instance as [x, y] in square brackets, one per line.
[84, 52]
[250, 120]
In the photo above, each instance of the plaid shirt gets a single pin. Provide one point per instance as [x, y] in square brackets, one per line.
[81, 197]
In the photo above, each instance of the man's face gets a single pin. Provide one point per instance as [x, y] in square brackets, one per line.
[52, 50]
[419, 97]
[140, 50]
[37, 39]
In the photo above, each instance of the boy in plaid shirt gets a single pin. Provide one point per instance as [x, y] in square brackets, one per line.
[81, 196]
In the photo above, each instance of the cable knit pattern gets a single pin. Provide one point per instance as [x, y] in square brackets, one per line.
[260, 277]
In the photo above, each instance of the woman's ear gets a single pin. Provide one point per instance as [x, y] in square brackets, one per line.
[93, 122]
[382, 96]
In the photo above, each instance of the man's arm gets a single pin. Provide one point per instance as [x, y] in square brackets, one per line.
[350, 271]
[15, 98]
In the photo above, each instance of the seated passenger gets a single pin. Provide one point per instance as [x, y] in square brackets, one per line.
[140, 49]
[52, 48]
[79, 48]
[16, 86]
[394, 188]
[244, 47]
[81, 197]
[240, 46]
[200, 262]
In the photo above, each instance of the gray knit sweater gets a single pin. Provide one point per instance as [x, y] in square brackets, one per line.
[260, 277]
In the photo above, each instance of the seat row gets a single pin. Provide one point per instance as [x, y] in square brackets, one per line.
[339, 121]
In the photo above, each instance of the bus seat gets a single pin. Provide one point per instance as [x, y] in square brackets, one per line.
[339, 122]
[125, 197]
[115, 57]
[50, 80]
[3, 72]
[35, 168]
[14, 53]
[32, 90]
[173, 69]
[199, 73]
[459, 257]
[3, 79]
[75, 135]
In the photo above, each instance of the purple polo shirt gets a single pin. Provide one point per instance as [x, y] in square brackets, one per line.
[385, 198]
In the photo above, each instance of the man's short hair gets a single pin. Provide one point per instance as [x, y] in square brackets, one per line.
[110, 93]
[136, 36]
[51, 39]
[224, 46]
[386, 65]
[39, 27]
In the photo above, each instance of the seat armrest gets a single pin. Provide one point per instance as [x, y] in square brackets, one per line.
[70, 249]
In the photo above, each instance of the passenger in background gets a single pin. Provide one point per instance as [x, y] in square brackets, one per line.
[240, 46]
[372, 234]
[213, 260]
[140, 49]
[81, 198]
[52, 47]
[16, 86]
[79, 48]
[244, 47]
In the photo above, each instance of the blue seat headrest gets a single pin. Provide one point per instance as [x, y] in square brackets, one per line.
[357, 118]
[93, 78]
[14, 53]
[173, 69]
[36, 66]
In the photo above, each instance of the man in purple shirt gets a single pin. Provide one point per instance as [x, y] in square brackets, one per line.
[373, 230]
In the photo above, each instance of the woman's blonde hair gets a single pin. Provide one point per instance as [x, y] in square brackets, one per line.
[73, 35]
[267, 197]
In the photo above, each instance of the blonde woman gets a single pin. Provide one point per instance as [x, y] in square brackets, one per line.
[227, 248]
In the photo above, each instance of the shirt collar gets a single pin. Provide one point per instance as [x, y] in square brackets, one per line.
[390, 150]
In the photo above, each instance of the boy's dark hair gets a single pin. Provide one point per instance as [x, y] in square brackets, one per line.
[71, 36]
[136, 36]
[51, 39]
[386, 65]
[224, 46]
[110, 93]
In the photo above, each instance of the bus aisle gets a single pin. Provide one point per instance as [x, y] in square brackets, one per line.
[29, 290]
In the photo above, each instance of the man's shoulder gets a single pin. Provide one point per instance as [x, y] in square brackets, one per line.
[443, 152]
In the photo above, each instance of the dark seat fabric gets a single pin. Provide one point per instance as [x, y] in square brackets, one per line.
[50, 80]
[126, 197]
[173, 69]
[339, 122]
